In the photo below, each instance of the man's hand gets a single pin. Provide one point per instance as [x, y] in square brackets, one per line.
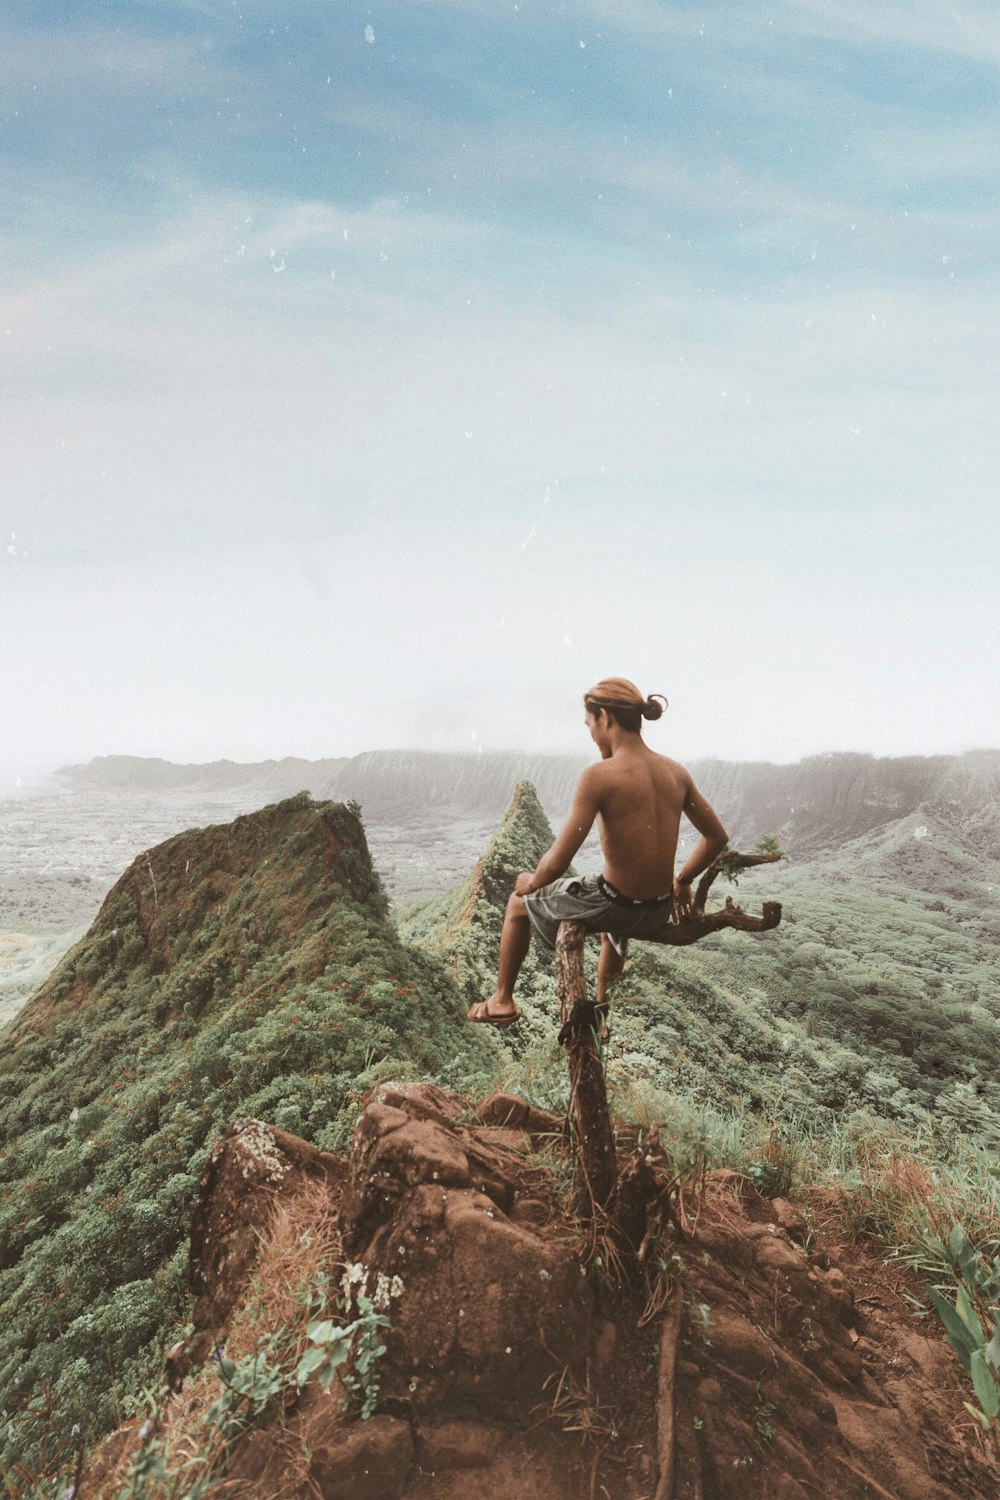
[682, 899]
[524, 884]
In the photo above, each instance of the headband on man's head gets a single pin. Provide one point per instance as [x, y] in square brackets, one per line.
[641, 707]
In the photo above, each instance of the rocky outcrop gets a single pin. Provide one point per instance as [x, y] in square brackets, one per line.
[491, 1307]
[746, 1365]
[248, 1168]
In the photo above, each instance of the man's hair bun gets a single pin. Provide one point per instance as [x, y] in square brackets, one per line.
[624, 702]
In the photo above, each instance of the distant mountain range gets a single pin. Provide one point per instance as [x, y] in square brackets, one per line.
[813, 806]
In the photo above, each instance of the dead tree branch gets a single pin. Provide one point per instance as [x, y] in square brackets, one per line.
[700, 923]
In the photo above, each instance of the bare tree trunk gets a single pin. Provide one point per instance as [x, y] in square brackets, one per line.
[597, 1166]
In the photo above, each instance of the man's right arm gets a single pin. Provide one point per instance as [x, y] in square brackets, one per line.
[586, 805]
[711, 844]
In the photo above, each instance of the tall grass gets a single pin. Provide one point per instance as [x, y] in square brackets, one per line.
[892, 1184]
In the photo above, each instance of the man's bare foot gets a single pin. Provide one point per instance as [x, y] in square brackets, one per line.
[492, 1012]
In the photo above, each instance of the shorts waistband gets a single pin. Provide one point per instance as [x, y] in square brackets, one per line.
[614, 895]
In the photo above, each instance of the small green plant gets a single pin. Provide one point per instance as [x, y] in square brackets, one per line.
[701, 1314]
[775, 1169]
[249, 1385]
[763, 1410]
[354, 1347]
[148, 1467]
[660, 1273]
[730, 870]
[979, 1351]
[347, 1346]
[577, 1409]
[156, 1473]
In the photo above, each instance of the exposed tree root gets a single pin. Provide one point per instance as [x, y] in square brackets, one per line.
[873, 1487]
[670, 1332]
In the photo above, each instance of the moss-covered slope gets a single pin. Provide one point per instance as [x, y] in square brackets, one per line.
[244, 969]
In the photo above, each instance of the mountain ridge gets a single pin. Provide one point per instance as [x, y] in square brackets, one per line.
[245, 968]
[810, 804]
[252, 969]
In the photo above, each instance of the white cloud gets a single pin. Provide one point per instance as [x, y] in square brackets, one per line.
[102, 59]
[162, 390]
[276, 464]
[962, 28]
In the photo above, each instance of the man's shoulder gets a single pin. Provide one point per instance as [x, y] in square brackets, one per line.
[674, 767]
[592, 775]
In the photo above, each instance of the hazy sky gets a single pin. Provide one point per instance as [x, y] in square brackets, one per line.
[384, 374]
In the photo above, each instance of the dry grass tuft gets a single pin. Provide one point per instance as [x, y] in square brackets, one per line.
[897, 1195]
[298, 1242]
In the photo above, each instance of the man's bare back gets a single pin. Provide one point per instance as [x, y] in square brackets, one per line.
[641, 796]
[636, 797]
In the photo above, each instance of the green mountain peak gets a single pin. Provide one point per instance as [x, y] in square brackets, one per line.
[522, 838]
[189, 919]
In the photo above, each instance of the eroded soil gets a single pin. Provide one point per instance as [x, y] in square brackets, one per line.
[756, 1349]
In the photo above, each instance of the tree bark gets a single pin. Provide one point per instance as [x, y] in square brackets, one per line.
[597, 1166]
[700, 923]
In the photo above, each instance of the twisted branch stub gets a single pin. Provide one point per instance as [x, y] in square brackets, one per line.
[700, 923]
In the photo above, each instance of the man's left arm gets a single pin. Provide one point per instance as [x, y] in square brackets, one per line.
[586, 806]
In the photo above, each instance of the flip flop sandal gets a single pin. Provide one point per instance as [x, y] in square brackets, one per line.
[487, 1018]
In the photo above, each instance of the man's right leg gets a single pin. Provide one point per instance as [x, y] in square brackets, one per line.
[515, 940]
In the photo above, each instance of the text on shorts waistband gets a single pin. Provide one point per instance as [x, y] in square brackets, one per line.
[615, 895]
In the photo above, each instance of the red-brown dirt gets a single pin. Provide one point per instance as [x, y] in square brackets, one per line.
[765, 1354]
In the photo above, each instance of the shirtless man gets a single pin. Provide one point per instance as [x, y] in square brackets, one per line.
[637, 798]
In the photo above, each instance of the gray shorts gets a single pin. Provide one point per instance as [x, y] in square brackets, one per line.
[578, 898]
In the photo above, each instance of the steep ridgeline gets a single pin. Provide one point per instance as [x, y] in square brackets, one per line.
[814, 805]
[826, 800]
[524, 835]
[244, 981]
[247, 968]
[463, 927]
[670, 1027]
